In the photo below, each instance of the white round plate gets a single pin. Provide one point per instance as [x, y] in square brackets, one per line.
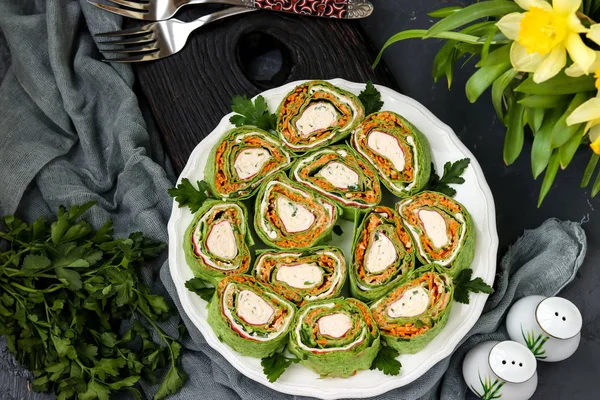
[475, 194]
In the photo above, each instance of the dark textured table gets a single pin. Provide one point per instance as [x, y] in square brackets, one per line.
[515, 192]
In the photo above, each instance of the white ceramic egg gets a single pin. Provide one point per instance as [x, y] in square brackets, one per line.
[506, 370]
[549, 326]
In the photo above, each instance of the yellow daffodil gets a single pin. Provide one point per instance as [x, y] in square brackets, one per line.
[543, 35]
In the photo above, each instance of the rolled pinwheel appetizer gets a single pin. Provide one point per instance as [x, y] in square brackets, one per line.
[242, 160]
[335, 338]
[412, 314]
[397, 150]
[303, 277]
[382, 254]
[340, 174]
[290, 216]
[316, 114]
[441, 228]
[249, 316]
[215, 243]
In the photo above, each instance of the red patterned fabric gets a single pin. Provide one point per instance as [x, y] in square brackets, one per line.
[321, 8]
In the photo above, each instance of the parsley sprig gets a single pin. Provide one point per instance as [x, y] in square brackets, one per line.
[452, 174]
[370, 99]
[187, 195]
[463, 284]
[275, 365]
[386, 361]
[65, 290]
[252, 113]
[201, 288]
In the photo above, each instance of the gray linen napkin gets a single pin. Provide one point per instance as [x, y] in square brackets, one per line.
[72, 130]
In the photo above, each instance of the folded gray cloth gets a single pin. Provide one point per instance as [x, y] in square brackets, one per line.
[72, 130]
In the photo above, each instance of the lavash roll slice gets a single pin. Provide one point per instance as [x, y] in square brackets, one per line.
[290, 216]
[249, 316]
[302, 277]
[242, 160]
[216, 242]
[399, 152]
[316, 114]
[335, 338]
[339, 173]
[382, 254]
[441, 228]
[413, 313]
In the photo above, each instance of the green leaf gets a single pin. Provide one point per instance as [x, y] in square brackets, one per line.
[255, 114]
[567, 151]
[560, 84]
[549, 177]
[538, 101]
[34, 262]
[95, 391]
[443, 64]
[484, 9]
[485, 51]
[109, 366]
[275, 365]
[386, 362]
[444, 12]
[515, 135]
[370, 99]
[201, 288]
[589, 170]
[499, 88]
[171, 383]
[69, 277]
[453, 172]
[498, 56]
[104, 234]
[483, 78]
[536, 118]
[561, 132]
[109, 339]
[158, 303]
[542, 144]
[463, 284]
[129, 381]
[187, 195]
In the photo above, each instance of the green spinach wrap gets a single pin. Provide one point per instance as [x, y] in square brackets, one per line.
[382, 254]
[215, 243]
[412, 314]
[335, 338]
[243, 158]
[442, 230]
[249, 316]
[290, 216]
[342, 175]
[316, 114]
[397, 150]
[302, 277]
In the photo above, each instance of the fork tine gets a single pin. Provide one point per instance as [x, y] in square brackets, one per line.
[119, 11]
[133, 5]
[136, 58]
[145, 29]
[145, 38]
[134, 49]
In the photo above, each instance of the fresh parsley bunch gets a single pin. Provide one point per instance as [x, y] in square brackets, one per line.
[65, 290]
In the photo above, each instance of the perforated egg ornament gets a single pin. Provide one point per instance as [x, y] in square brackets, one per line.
[549, 326]
[506, 370]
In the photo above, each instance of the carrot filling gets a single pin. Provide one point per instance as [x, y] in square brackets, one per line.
[434, 284]
[228, 151]
[428, 201]
[388, 123]
[292, 106]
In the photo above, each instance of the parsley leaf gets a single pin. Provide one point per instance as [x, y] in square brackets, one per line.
[275, 365]
[201, 288]
[187, 195]
[255, 114]
[452, 174]
[386, 361]
[463, 284]
[370, 99]
[338, 230]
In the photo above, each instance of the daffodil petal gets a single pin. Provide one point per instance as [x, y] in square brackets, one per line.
[588, 111]
[510, 25]
[574, 71]
[594, 33]
[527, 4]
[523, 61]
[551, 65]
[579, 52]
[575, 24]
[566, 6]
[595, 139]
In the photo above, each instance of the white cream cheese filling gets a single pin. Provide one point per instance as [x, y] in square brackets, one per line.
[412, 302]
[435, 227]
[334, 325]
[317, 116]
[339, 175]
[301, 276]
[294, 216]
[387, 146]
[250, 162]
[253, 309]
[221, 241]
[381, 254]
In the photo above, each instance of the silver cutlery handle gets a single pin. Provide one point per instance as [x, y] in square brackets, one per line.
[207, 19]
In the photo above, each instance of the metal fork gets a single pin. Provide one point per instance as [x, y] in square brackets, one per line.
[153, 10]
[159, 39]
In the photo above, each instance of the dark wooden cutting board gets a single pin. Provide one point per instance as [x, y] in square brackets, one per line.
[191, 91]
